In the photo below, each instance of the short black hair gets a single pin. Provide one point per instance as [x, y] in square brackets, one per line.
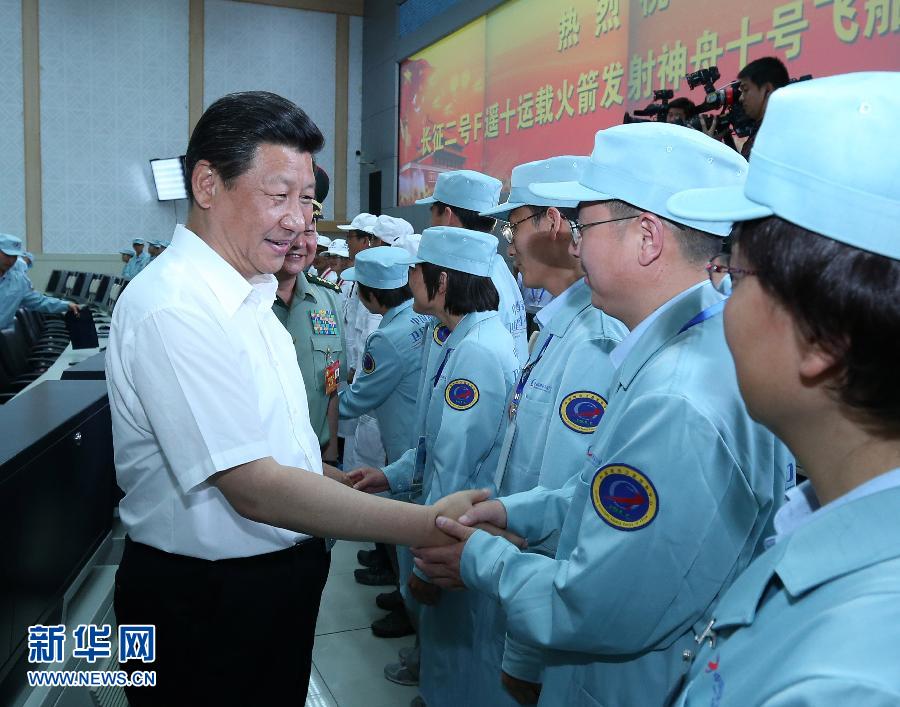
[685, 104]
[231, 130]
[697, 247]
[570, 213]
[466, 293]
[468, 218]
[768, 69]
[842, 298]
[386, 298]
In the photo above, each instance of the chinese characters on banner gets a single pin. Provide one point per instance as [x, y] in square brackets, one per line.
[533, 79]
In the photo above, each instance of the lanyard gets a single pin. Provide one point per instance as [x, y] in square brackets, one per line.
[441, 367]
[523, 379]
[707, 313]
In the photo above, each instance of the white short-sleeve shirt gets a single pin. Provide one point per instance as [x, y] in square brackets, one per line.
[202, 377]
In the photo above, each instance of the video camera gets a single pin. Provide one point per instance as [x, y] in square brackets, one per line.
[659, 109]
[727, 99]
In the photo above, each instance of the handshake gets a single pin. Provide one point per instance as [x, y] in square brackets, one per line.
[456, 516]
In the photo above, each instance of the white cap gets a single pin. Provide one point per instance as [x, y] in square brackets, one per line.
[361, 222]
[339, 247]
[389, 228]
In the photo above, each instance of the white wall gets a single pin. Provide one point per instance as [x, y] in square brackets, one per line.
[12, 150]
[114, 94]
[261, 48]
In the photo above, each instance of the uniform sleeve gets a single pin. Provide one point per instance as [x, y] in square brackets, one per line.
[523, 661]
[400, 472]
[202, 408]
[650, 570]
[381, 372]
[37, 302]
[539, 512]
[829, 690]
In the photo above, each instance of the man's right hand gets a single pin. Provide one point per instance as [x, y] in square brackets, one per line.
[523, 692]
[368, 479]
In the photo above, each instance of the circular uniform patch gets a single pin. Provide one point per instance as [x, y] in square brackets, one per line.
[581, 411]
[623, 497]
[440, 334]
[461, 394]
[368, 363]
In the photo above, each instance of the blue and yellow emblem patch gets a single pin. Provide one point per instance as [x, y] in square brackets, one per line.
[368, 363]
[440, 334]
[623, 497]
[581, 411]
[461, 394]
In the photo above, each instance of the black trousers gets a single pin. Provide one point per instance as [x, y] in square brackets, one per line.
[228, 632]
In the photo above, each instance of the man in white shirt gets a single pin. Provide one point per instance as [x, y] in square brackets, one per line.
[223, 479]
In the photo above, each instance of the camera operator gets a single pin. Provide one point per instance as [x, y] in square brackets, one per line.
[757, 81]
[681, 110]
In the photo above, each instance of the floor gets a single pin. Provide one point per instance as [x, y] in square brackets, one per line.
[348, 661]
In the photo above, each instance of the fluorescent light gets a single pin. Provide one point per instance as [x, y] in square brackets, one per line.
[169, 177]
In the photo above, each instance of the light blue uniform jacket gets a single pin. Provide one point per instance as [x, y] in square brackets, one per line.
[679, 490]
[815, 620]
[16, 291]
[562, 401]
[389, 379]
[512, 307]
[464, 429]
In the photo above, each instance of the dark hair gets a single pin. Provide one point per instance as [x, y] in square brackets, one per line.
[844, 299]
[570, 213]
[696, 246]
[769, 69]
[468, 218]
[386, 298]
[466, 293]
[685, 104]
[231, 130]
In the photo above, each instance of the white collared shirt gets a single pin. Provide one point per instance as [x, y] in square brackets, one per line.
[202, 377]
[803, 505]
[620, 353]
[545, 315]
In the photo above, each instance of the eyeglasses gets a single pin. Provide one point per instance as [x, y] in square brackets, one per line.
[577, 228]
[509, 229]
[724, 277]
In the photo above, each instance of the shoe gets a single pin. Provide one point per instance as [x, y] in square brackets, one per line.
[394, 625]
[379, 577]
[372, 558]
[407, 652]
[400, 674]
[389, 600]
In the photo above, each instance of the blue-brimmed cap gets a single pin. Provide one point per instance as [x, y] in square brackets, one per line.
[556, 169]
[465, 189]
[383, 268]
[137, 241]
[11, 245]
[646, 163]
[126, 251]
[155, 244]
[821, 160]
[456, 248]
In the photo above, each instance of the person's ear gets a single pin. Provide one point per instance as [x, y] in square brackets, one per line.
[653, 233]
[203, 184]
[555, 219]
[442, 283]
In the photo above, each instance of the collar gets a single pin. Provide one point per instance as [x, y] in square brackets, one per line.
[226, 283]
[657, 329]
[393, 312]
[861, 531]
[559, 304]
[466, 324]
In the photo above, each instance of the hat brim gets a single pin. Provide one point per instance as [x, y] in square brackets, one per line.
[12, 252]
[568, 191]
[716, 204]
[426, 200]
[502, 211]
[349, 275]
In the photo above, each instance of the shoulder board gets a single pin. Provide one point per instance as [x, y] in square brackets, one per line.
[316, 280]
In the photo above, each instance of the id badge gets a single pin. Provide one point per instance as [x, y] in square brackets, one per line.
[332, 377]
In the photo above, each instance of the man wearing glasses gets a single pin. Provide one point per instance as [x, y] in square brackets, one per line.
[681, 485]
[559, 398]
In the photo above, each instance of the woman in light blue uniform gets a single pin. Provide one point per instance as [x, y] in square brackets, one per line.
[814, 327]
[464, 426]
[557, 402]
[680, 486]
[392, 359]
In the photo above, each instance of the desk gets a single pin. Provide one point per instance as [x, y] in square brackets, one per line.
[69, 357]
